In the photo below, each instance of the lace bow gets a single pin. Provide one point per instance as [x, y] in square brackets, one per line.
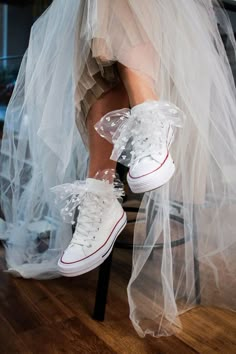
[122, 127]
[69, 196]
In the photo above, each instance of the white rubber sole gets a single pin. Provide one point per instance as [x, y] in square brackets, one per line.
[152, 180]
[99, 258]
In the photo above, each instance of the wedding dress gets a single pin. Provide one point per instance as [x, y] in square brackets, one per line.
[70, 61]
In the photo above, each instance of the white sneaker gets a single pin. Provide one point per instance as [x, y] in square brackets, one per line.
[101, 219]
[141, 139]
[151, 164]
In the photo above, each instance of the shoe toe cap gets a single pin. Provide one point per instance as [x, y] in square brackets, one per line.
[72, 255]
[144, 167]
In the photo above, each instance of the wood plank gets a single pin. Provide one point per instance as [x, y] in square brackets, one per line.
[14, 308]
[69, 336]
[117, 324]
[209, 330]
[54, 316]
[9, 341]
[44, 303]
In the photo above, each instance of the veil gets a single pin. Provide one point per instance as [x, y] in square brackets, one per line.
[187, 227]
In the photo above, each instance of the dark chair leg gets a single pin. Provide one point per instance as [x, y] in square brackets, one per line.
[196, 262]
[102, 289]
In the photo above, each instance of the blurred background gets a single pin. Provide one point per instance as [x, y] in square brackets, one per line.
[16, 19]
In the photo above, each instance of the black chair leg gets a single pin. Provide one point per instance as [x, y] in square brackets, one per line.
[102, 289]
[196, 262]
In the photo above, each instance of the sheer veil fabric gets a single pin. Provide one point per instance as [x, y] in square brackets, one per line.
[177, 45]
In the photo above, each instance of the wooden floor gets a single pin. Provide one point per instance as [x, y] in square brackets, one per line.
[54, 316]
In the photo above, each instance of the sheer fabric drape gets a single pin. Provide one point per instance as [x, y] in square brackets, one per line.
[177, 45]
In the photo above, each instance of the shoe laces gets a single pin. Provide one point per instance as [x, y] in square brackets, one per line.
[90, 203]
[89, 219]
[149, 141]
[143, 131]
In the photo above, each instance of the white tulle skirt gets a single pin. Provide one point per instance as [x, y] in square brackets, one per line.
[186, 229]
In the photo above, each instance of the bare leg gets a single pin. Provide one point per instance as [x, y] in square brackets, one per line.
[99, 148]
[139, 87]
[135, 89]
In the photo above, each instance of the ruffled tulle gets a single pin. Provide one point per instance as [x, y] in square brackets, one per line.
[122, 128]
[188, 226]
[69, 196]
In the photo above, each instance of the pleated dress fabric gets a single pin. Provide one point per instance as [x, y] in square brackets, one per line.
[176, 47]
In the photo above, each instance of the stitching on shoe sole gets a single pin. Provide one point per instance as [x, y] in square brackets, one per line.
[146, 174]
[97, 249]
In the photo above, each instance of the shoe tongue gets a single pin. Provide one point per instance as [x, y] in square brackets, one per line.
[98, 185]
[151, 160]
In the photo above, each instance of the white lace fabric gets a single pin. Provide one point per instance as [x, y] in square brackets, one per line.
[69, 196]
[141, 132]
[177, 44]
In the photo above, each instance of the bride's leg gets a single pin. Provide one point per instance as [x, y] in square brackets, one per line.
[139, 87]
[99, 148]
[101, 217]
[152, 165]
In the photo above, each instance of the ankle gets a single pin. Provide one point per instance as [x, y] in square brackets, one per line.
[104, 173]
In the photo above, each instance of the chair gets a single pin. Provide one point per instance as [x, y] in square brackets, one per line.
[105, 267]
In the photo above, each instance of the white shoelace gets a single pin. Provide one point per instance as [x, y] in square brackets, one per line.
[148, 141]
[91, 200]
[133, 141]
[69, 196]
[88, 220]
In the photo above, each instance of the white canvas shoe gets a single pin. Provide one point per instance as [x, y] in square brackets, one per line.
[100, 221]
[151, 164]
[141, 139]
